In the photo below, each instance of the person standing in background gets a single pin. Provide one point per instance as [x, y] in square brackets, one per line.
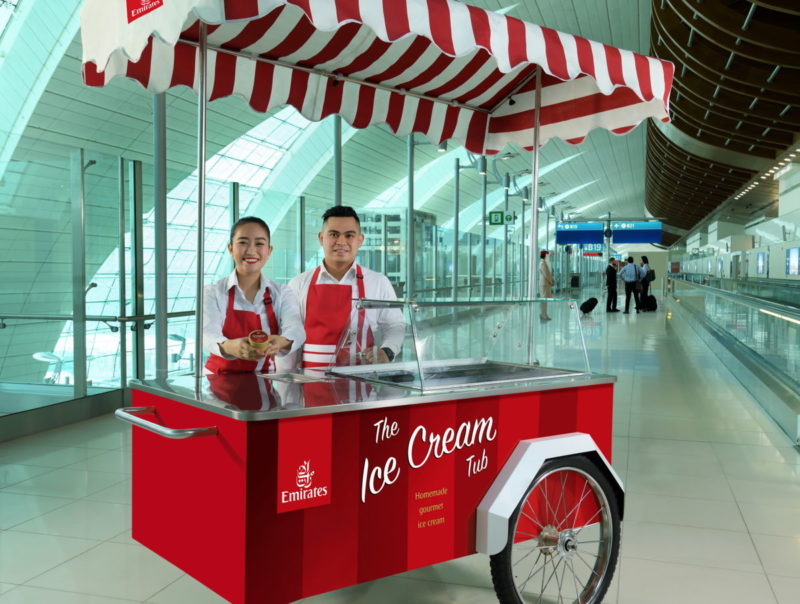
[611, 286]
[631, 275]
[546, 283]
[646, 279]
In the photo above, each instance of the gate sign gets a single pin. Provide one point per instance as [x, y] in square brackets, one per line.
[592, 249]
[579, 232]
[636, 232]
[499, 218]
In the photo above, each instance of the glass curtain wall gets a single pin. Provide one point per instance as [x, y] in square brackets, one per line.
[60, 217]
[278, 166]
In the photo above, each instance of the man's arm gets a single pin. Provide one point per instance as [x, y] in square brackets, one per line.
[390, 320]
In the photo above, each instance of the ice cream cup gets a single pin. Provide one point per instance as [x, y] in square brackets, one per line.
[258, 339]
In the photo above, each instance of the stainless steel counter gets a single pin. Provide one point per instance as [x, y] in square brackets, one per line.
[251, 397]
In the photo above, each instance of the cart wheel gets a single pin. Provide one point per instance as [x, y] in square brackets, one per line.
[563, 538]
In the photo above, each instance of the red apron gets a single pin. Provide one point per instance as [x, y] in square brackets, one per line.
[239, 324]
[328, 308]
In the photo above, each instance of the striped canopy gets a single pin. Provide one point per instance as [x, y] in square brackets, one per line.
[440, 68]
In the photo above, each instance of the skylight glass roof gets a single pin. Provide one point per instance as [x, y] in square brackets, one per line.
[6, 12]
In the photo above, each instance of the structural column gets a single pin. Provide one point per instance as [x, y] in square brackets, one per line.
[78, 215]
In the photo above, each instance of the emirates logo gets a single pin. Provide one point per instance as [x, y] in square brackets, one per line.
[305, 493]
[139, 8]
[304, 475]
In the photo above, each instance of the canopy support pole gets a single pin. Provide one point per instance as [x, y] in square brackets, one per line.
[484, 251]
[337, 160]
[410, 233]
[506, 187]
[160, 230]
[456, 203]
[534, 234]
[201, 203]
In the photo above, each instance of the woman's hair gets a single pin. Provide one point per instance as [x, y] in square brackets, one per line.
[645, 260]
[248, 220]
[543, 253]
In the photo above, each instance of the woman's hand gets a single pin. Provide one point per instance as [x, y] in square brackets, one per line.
[277, 343]
[241, 348]
[375, 355]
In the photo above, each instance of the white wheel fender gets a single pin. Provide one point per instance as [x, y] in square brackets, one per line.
[514, 479]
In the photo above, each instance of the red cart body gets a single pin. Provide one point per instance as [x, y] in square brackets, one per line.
[315, 499]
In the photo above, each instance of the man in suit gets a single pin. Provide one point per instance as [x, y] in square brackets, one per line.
[611, 286]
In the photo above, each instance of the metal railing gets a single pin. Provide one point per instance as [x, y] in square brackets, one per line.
[760, 341]
[110, 320]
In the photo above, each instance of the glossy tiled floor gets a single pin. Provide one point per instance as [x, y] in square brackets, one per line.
[713, 497]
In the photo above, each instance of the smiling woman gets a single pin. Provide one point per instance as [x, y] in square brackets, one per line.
[245, 302]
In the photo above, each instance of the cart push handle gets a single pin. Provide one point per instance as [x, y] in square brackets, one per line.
[127, 414]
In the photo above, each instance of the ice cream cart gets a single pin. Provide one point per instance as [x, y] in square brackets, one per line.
[271, 488]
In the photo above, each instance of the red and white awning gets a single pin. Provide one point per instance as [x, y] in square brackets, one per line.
[436, 67]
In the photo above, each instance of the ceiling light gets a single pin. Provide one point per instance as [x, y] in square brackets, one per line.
[482, 165]
[442, 148]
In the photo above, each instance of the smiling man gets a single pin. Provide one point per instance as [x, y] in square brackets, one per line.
[326, 296]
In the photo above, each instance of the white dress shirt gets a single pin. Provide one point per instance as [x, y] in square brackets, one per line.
[376, 287]
[284, 303]
[630, 273]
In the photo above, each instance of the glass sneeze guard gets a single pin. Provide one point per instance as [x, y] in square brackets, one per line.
[453, 346]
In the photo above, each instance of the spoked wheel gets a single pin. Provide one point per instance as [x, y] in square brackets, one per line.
[563, 538]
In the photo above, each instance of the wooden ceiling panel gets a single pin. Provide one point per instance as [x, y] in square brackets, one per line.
[737, 68]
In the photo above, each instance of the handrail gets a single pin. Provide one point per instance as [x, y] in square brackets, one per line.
[368, 303]
[128, 414]
[182, 313]
[57, 317]
[750, 301]
[102, 318]
[759, 279]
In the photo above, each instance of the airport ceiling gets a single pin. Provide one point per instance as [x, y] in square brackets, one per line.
[735, 108]
[735, 112]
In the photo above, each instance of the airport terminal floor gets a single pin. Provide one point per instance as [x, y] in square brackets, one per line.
[712, 496]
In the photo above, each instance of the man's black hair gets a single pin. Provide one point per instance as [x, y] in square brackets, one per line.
[340, 212]
[645, 260]
[630, 260]
[248, 220]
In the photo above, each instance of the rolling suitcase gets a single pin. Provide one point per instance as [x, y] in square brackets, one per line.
[588, 306]
[650, 304]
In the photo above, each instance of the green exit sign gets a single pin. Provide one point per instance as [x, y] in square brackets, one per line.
[499, 218]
